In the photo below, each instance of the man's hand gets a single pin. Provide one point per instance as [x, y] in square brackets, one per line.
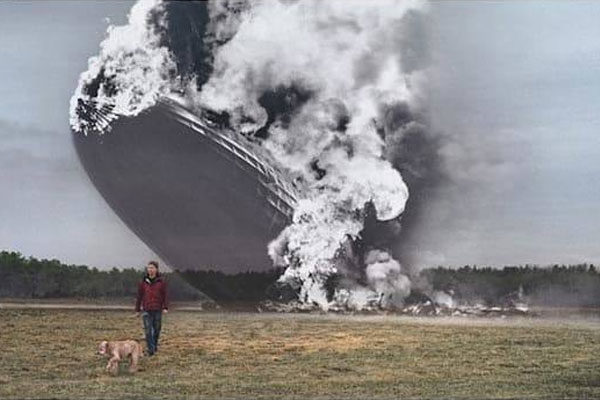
[166, 311]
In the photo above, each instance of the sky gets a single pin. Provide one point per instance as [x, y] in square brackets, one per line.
[48, 207]
[517, 86]
[515, 89]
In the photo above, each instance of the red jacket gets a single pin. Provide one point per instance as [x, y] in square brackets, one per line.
[152, 294]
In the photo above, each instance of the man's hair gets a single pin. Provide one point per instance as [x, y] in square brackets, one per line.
[155, 263]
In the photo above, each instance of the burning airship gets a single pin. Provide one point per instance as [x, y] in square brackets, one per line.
[195, 193]
[303, 163]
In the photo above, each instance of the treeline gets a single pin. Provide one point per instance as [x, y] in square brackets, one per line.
[558, 285]
[22, 277]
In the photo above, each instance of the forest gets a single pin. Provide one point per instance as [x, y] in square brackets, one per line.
[557, 285]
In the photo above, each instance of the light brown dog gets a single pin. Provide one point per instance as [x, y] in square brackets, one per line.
[119, 351]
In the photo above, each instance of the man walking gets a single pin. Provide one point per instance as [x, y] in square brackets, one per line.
[152, 299]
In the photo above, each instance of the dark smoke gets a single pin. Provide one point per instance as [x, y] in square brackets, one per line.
[186, 27]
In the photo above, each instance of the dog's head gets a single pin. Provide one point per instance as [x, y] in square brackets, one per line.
[103, 347]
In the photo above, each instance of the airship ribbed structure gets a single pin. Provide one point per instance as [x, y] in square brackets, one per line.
[196, 194]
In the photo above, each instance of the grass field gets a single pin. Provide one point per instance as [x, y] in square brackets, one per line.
[51, 354]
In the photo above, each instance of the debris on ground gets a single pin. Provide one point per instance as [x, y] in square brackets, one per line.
[421, 305]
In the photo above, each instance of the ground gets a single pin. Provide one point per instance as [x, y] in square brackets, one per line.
[52, 353]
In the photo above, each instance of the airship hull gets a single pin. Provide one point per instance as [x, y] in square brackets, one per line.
[196, 197]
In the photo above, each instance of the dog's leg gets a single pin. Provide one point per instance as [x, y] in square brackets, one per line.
[140, 350]
[113, 365]
[133, 362]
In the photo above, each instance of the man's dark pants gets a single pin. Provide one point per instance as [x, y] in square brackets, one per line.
[152, 322]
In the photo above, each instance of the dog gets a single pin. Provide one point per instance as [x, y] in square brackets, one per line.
[118, 351]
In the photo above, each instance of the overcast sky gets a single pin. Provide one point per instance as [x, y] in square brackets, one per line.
[515, 88]
[48, 207]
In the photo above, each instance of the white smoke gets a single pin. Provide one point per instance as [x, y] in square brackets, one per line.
[444, 299]
[385, 276]
[134, 68]
[348, 56]
[225, 17]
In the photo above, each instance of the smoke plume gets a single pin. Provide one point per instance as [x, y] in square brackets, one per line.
[334, 91]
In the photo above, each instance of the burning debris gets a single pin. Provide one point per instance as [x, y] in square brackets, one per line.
[417, 304]
[425, 309]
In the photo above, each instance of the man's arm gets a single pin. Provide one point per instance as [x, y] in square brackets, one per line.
[165, 304]
[140, 294]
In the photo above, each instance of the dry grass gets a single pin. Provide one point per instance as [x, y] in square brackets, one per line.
[51, 353]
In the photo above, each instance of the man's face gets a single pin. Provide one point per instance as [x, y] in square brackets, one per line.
[152, 270]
